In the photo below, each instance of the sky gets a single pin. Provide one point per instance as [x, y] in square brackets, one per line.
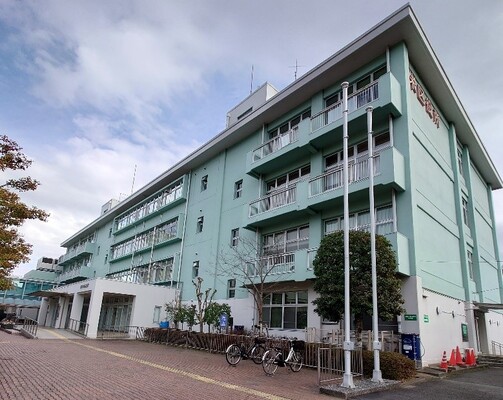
[104, 96]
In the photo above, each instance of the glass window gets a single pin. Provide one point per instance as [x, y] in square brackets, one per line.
[238, 189]
[200, 224]
[195, 269]
[288, 310]
[231, 288]
[380, 72]
[234, 237]
[204, 183]
[157, 314]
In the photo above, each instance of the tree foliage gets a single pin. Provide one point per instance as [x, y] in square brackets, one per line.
[14, 250]
[329, 272]
[213, 312]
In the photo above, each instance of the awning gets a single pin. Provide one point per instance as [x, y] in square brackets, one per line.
[485, 307]
[48, 293]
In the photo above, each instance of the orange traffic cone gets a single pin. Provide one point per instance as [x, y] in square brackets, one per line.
[474, 359]
[459, 359]
[452, 360]
[443, 364]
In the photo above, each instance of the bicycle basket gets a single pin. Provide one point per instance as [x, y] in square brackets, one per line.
[298, 345]
[260, 340]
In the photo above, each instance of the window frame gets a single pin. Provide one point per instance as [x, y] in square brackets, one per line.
[200, 224]
[238, 189]
[234, 237]
[204, 183]
[277, 305]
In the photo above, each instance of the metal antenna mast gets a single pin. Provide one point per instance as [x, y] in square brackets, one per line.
[296, 66]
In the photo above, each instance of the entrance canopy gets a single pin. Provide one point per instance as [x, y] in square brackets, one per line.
[485, 307]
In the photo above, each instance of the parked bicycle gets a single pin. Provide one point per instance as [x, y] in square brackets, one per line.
[274, 358]
[235, 352]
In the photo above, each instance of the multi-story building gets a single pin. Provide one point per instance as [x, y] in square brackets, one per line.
[273, 178]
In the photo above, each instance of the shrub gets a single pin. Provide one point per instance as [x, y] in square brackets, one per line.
[394, 366]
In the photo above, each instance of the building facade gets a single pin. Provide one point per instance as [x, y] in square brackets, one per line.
[272, 182]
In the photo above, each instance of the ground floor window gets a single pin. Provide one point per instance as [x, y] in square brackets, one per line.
[285, 310]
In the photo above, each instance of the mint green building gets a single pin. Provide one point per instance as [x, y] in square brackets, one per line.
[269, 187]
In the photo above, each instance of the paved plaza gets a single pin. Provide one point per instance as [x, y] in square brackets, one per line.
[71, 368]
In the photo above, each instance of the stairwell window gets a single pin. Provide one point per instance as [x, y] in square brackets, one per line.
[238, 189]
[200, 224]
[195, 269]
[469, 259]
[204, 183]
[234, 237]
[231, 288]
[464, 203]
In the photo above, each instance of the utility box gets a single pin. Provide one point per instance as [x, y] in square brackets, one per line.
[411, 347]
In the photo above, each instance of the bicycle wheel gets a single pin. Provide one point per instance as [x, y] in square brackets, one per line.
[233, 354]
[269, 363]
[257, 353]
[296, 362]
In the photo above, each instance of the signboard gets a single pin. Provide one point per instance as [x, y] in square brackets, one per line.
[410, 317]
[223, 320]
[464, 332]
[426, 318]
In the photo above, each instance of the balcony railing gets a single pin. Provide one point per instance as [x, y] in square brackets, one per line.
[78, 272]
[272, 265]
[273, 200]
[357, 170]
[276, 144]
[355, 101]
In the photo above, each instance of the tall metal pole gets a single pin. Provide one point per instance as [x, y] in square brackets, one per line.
[376, 374]
[348, 344]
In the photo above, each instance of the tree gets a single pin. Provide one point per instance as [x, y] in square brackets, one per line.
[204, 299]
[329, 271]
[252, 271]
[213, 313]
[14, 250]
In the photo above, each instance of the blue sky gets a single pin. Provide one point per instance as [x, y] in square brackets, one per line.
[90, 88]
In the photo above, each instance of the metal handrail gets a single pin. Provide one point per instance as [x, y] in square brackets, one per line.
[30, 326]
[497, 348]
[78, 327]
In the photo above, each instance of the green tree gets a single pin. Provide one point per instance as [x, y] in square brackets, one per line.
[213, 313]
[14, 250]
[329, 283]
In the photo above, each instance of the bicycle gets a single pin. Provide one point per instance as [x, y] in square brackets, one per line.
[235, 352]
[274, 358]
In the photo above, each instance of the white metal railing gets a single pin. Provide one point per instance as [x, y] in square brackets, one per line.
[275, 144]
[497, 348]
[357, 100]
[272, 265]
[276, 199]
[333, 179]
[77, 326]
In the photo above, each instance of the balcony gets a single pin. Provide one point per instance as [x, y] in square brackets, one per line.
[74, 254]
[389, 171]
[383, 95]
[281, 267]
[280, 151]
[76, 274]
[278, 205]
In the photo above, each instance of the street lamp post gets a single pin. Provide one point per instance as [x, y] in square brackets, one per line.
[348, 344]
[376, 374]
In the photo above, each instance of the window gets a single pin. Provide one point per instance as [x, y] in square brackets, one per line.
[195, 269]
[464, 203]
[469, 259]
[282, 129]
[234, 237]
[361, 221]
[286, 241]
[231, 288]
[106, 258]
[238, 189]
[200, 223]
[110, 233]
[157, 314]
[204, 183]
[460, 159]
[286, 310]
[289, 179]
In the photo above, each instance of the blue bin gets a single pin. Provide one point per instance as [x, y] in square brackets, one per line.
[164, 324]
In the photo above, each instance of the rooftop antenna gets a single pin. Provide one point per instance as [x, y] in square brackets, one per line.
[251, 80]
[296, 66]
[134, 176]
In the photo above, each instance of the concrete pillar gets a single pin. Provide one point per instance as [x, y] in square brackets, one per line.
[93, 316]
[42, 313]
